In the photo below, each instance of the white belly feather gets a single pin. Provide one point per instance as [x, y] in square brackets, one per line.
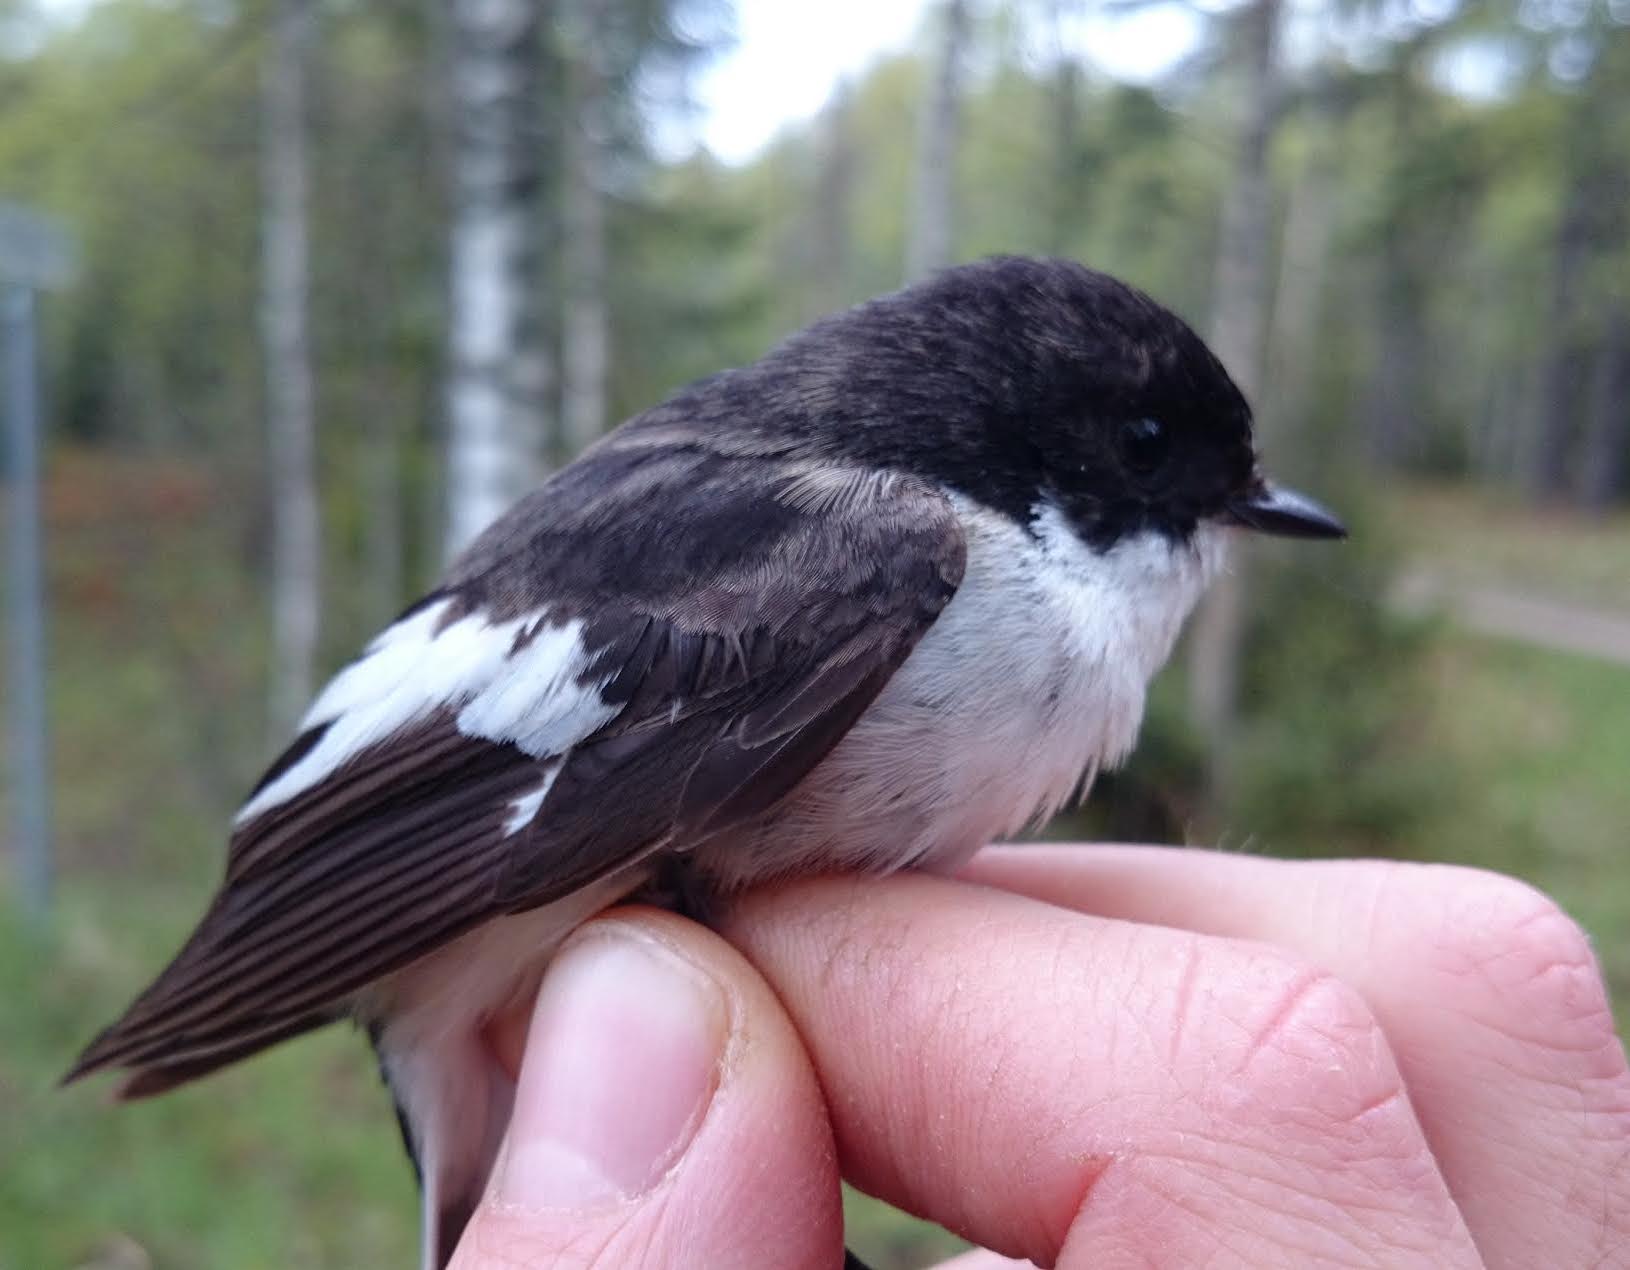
[1031, 680]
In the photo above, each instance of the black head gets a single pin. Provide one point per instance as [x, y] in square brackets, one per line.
[1019, 381]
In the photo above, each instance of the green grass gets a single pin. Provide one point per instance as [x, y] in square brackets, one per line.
[293, 1160]
[1542, 741]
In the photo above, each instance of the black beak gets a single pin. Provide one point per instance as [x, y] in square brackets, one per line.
[1270, 509]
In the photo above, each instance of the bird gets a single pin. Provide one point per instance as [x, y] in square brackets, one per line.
[891, 592]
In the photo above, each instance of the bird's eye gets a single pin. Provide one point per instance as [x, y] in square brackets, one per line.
[1145, 443]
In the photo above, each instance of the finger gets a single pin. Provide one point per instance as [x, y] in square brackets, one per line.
[665, 1115]
[1490, 995]
[1086, 1092]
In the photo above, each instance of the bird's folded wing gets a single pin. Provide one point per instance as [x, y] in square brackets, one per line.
[594, 681]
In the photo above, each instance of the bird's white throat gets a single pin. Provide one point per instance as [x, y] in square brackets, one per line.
[1132, 599]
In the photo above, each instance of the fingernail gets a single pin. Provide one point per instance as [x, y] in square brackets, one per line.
[621, 1064]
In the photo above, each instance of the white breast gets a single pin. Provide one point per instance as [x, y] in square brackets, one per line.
[1032, 680]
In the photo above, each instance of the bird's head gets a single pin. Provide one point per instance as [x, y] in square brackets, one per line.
[1042, 386]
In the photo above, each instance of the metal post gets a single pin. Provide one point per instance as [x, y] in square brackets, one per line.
[26, 603]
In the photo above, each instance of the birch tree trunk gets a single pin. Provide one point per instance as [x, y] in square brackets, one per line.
[933, 215]
[1238, 326]
[498, 365]
[586, 325]
[291, 426]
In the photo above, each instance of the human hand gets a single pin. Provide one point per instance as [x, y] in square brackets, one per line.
[1084, 1057]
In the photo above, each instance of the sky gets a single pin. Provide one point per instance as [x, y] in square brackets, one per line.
[789, 56]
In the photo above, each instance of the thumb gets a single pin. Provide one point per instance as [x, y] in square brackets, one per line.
[665, 1115]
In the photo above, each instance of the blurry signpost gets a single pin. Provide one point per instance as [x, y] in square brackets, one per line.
[34, 256]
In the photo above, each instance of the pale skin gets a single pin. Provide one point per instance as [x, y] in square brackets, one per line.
[1081, 1057]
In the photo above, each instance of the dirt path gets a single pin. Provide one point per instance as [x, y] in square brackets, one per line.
[1518, 615]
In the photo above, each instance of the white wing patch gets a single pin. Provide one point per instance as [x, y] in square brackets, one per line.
[532, 697]
[537, 702]
[524, 810]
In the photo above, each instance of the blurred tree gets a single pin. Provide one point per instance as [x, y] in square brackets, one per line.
[930, 243]
[499, 368]
[379, 196]
[290, 413]
[1068, 188]
[1550, 445]
[1239, 316]
[1587, 273]
[831, 208]
[1604, 469]
[625, 66]
[1306, 242]
[586, 323]
[1393, 392]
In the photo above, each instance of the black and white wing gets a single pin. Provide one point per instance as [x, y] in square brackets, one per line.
[658, 644]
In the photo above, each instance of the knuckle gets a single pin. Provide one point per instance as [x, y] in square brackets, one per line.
[1523, 967]
[1316, 1083]
[1305, 1117]
[1314, 1047]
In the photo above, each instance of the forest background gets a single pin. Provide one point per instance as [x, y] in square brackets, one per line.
[328, 250]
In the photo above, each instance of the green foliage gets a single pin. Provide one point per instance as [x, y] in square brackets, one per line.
[208, 1178]
[887, 1239]
[155, 628]
[1329, 756]
[684, 289]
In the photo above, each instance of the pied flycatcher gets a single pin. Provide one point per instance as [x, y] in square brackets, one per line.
[893, 591]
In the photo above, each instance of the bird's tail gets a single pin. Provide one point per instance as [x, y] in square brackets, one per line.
[159, 1047]
[453, 1101]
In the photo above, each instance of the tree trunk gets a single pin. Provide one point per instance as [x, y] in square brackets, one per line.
[1238, 328]
[1393, 400]
[291, 426]
[1604, 469]
[384, 552]
[1239, 304]
[1298, 310]
[498, 365]
[929, 236]
[586, 325]
[832, 208]
[1550, 441]
[1393, 397]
